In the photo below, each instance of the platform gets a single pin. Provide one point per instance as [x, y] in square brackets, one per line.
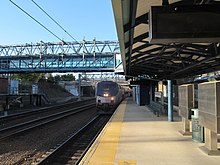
[134, 135]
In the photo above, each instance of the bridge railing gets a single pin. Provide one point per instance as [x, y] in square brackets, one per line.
[57, 57]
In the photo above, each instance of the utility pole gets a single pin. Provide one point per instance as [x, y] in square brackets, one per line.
[79, 87]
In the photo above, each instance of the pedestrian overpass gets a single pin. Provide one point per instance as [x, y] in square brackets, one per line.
[85, 56]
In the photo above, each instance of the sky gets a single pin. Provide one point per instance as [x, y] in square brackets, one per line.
[80, 18]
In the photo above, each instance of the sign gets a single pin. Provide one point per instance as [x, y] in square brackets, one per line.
[158, 94]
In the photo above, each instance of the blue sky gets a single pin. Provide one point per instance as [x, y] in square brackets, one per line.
[89, 18]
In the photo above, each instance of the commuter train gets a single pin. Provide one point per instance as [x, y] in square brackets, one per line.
[108, 96]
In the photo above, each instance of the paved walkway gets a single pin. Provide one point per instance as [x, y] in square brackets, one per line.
[136, 136]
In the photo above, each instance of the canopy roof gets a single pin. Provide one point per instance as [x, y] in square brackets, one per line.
[165, 60]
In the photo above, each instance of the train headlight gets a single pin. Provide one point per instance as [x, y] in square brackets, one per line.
[106, 94]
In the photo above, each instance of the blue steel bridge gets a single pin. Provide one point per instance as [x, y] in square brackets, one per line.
[85, 56]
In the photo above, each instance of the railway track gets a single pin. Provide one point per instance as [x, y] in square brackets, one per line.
[71, 150]
[20, 128]
[28, 146]
[7, 121]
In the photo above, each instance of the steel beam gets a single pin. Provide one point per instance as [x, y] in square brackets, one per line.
[56, 57]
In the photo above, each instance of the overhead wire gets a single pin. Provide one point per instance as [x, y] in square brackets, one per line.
[36, 20]
[53, 20]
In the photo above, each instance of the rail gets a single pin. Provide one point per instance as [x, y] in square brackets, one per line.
[74, 148]
[29, 125]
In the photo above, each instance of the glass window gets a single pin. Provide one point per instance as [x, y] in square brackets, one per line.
[111, 88]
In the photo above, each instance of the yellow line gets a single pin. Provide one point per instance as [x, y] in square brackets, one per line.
[107, 145]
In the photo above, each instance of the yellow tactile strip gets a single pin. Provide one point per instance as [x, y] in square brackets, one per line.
[127, 162]
[107, 143]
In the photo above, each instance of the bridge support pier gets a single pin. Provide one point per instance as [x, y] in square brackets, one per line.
[35, 100]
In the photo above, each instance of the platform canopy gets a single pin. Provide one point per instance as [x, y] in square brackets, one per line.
[168, 39]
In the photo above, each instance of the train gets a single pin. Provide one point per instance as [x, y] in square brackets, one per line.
[108, 94]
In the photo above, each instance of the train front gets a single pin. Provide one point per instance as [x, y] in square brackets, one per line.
[106, 96]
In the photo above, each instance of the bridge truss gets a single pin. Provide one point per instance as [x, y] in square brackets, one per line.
[85, 56]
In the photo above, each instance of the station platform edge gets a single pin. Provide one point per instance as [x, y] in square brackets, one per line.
[134, 135]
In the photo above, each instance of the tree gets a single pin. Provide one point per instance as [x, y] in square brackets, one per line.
[50, 77]
[68, 77]
[32, 77]
[57, 78]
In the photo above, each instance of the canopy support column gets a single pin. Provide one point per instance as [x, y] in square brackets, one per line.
[170, 100]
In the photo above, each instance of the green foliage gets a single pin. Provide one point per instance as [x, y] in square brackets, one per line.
[50, 77]
[34, 77]
[31, 77]
[65, 77]
[57, 78]
[68, 77]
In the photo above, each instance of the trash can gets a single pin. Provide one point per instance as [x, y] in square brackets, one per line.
[197, 130]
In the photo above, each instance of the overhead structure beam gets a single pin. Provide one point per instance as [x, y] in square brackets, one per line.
[133, 7]
[137, 39]
[165, 2]
[162, 60]
[196, 64]
[59, 57]
[139, 20]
